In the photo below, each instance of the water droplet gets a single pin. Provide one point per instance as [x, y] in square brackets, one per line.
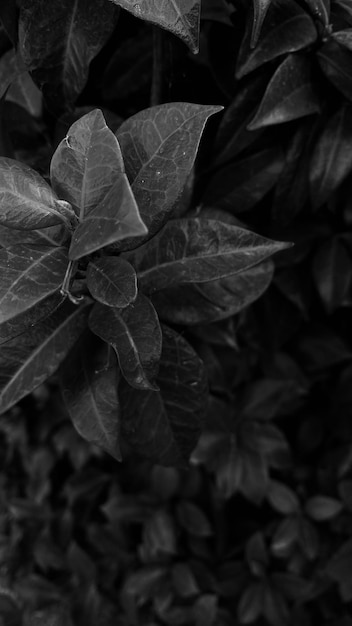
[158, 172]
[138, 9]
[142, 181]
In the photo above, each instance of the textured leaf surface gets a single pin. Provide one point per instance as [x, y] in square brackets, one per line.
[52, 236]
[181, 17]
[164, 426]
[86, 163]
[202, 303]
[320, 9]
[36, 314]
[58, 40]
[135, 335]
[112, 281]
[159, 147]
[26, 200]
[289, 95]
[196, 251]
[114, 219]
[260, 8]
[28, 274]
[28, 360]
[89, 381]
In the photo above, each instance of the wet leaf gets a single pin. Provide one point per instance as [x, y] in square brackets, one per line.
[112, 281]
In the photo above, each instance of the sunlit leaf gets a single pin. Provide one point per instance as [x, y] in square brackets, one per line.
[112, 281]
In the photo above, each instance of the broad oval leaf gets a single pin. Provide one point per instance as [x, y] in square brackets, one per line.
[86, 163]
[89, 381]
[335, 60]
[52, 236]
[27, 202]
[181, 17]
[197, 251]
[28, 360]
[165, 426]
[114, 219]
[112, 281]
[36, 314]
[344, 38]
[134, 333]
[260, 9]
[289, 95]
[17, 85]
[159, 147]
[331, 158]
[29, 274]
[203, 303]
[287, 28]
[58, 40]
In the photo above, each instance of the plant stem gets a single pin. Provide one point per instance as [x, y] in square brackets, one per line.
[65, 289]
[156, 95]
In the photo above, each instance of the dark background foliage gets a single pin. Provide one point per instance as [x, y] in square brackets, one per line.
[258, 528]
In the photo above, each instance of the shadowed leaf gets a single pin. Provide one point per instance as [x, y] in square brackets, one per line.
[320, 9]
[112, 281]
[335, 60]
[260, 8]
[36, 314]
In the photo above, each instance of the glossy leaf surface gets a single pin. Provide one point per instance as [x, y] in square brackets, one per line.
[164, 426]
[112, 281]
[89, 381]
[86, 163]
[35, 315]
[135, 334]
[28, 360]
[196, 251]
[320, 9]
[181, 17]
[28, 275]
[260, 8]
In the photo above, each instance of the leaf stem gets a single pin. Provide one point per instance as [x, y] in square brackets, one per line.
[156, 95]
[65, 288]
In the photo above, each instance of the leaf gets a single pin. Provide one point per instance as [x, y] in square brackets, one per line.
[339, 568]
[335, 61]
[37, 313]
[27, 361]
[193, 520]
[29, 274]
[26, 94]
[159, 147]
[135, 334]
[238, 186]
[114, 219]
[260, 8]
[27, 201]
[86, 163]
[289, 95]
[323, 508]
[10, 68]
[52, 236]
[58, 40]
[320, 10]
[164, 426]
[218, 299]
[287, 28]
[332, 274]
[89, 380]
[196, 251]
[112, 281]
[344, 38]
[180, 17]
[282, 498]
[9, 19]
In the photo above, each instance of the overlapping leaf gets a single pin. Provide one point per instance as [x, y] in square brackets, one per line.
[164, 426]
[52, 236]
[36, 314]
[89, 381]
[58, 40]
[29, 274]
[112, 281]
[181, 17]
[28, 360]
[260, 8]
[196, 251]
[134, 333]
[335, 61]
[332, 274]
[320, 9]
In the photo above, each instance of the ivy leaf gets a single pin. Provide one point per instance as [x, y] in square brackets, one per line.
[114, 219]
[260, 8]
[196, 251]
[135, 334]
[335, 61]
[27, 201]
[89, 381]
[58, 40]
[289, 95]
[287, 28]
[331, 157]
[28, 275]
[30, 359]
[112, 281]
[159, 147]
[86, 163]
[164, 426]
[180, 17]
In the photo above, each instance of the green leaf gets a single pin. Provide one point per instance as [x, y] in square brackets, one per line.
[289, 95]
[37, 313]
[114, 219]
[159, 147]
[260, 8]
[287, 28]
[89, 380]
[339, 569]
[180, 17]
[9, 19]
[331, 269]
[28, 275]
[52, 236]
[202, 303]
[164, 426]
[10, 68]
[58, 40]
[323, 508]
[112, 281]
[28, 360]
[135, 334]
[320, 10]
[86, 163]
[26, 200]
[193, 520]
[196, 251]
[335, 60]
[344, 38]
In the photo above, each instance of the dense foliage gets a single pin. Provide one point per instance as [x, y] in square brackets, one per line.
[153, 158]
